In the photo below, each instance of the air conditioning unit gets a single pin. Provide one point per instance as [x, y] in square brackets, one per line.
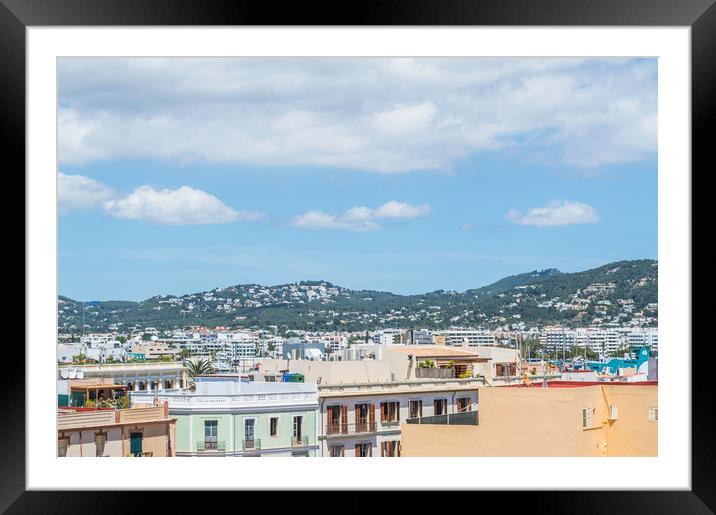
[613, 412]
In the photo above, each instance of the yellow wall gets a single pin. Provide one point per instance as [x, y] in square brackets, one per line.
[545, 422]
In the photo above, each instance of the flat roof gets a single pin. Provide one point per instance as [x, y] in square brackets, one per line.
[438, 351]
[577, 384]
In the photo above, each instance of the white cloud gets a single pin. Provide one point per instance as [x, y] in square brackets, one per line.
[77, 192]
[182, 206]
[382, 115]
[360, 219]
[557, 212]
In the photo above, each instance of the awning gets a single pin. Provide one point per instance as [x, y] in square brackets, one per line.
[313, 354]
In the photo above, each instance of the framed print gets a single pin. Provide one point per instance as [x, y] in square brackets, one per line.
[428, 233]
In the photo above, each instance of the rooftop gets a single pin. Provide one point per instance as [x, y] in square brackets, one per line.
[436, 351]
[578, 384]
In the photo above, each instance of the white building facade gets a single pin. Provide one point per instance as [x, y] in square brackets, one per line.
[363, 420]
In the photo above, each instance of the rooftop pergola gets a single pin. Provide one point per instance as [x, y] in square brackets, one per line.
[107, 390]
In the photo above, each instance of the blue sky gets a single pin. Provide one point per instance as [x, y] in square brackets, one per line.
[406, 175]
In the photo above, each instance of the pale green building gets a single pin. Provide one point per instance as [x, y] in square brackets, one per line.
[227, 416]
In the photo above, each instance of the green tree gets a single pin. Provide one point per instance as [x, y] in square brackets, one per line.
[199, 367]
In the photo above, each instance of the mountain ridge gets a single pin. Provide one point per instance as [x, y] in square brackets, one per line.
[539, 295]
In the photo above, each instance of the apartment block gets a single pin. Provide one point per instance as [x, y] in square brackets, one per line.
[564, 419]
[135, 432]
[229, 416]
[364, 420]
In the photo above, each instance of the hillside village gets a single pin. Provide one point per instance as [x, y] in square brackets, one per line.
[617, 294]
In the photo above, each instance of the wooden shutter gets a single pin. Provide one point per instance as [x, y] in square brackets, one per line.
[397, 411]
[344, 419]
[383, 407]
[382, 449]
[435, 407]
[371, 417]
[357, 450]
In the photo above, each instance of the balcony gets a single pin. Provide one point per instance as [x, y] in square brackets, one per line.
[467, 418]
[351, 429]
[300, 441]
[210, 446]
[253, 444]
[435, 373]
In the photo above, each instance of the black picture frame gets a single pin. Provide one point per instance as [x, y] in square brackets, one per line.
[700, 15]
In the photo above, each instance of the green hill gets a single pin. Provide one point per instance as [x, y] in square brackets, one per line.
[614, 293]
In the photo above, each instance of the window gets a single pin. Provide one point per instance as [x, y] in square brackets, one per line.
[587, 417]
[337, 419]
[298, 429]
[440, 406]
[365, 417]
[653, 414]
[463, 404]
[211, 433]
[62, 445]
[363, 450]
[99, 440]
[389, 411]
[415, 409]
[390, 449]
[274, 426]
[249, 426]
[336, 451]
[333, 415]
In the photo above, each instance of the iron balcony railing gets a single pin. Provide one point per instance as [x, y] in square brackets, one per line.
[467, 418]
[252, 444]
[300, 441]
[210, 445]
[350, 429]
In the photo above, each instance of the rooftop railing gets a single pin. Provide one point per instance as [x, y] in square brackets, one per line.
[467, 418]
[180, 398]
[397, 386]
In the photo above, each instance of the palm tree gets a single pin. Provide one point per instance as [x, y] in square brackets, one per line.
[199, 367]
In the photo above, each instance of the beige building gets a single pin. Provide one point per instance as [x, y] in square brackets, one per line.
[565, 419]
[390, 363]
[155, 350]
[145, 431]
